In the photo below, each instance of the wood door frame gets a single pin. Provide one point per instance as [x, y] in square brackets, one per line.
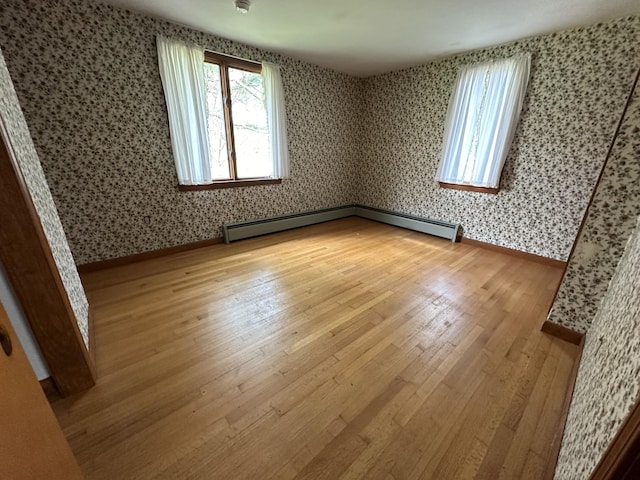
[623, 450]
[36, 281]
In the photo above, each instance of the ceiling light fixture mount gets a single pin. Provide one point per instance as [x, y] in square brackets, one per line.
[243, 5]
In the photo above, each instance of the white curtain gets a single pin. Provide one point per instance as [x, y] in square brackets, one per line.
[481, 120]
[182, 73]
[276, 118]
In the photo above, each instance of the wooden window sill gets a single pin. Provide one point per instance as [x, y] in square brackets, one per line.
[230, 184]
[468, 188]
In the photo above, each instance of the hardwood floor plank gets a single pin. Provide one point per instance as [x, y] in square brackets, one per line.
[349, 443]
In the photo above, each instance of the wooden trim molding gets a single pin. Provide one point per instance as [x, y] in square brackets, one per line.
[139, 257]
[50, 390]
[468, 188]
[557, 439]
[92, 336]
[234, 62]
[34, 276]
[621, 460]
[562, 332]
[230, 184]
[514, 253]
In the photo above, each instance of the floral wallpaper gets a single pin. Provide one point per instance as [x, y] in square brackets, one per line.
[580, 80]
[608, 225]
[608, 383]
[27, 158]
[88, 81]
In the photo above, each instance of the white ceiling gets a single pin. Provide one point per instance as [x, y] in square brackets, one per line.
[366, 37]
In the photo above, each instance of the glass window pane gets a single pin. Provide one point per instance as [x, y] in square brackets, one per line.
[250, 130]
[215, 123]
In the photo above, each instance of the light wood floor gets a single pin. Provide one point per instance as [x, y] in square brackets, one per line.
[349, 349]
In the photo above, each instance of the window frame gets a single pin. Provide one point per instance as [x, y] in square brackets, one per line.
[225, 62]
[467, 187]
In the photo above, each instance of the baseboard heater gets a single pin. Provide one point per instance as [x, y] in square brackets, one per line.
[411, 222]
[254, 228]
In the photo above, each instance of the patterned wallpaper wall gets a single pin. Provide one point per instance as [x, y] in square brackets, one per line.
[580, 80]
[87, 78]
[609, 223]
[27, 159]
[608, 384]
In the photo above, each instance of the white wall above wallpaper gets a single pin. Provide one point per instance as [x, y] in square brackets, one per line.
[580, 80]
[608, 383]
[609, 223]
[87, 77]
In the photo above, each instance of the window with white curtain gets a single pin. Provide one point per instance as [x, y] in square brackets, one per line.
[481, 119]
[226, 116]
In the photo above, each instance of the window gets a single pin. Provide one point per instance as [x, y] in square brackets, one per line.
[481, 120]
[237, 128]
[226, 117]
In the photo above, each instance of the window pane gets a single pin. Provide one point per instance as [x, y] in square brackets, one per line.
[250, 130]
[215, 123]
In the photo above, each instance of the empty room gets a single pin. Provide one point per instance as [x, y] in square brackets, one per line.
[320, 240]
